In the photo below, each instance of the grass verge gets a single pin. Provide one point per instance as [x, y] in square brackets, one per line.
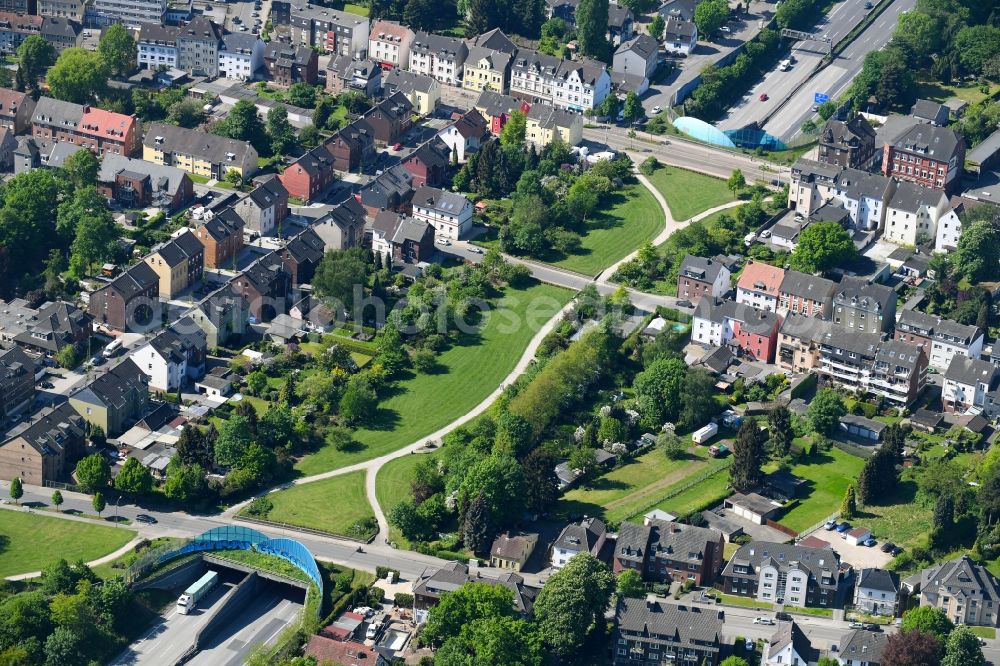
[815, 612]
[742, 602]
[31, 542]
[333, 505]
[689, 193]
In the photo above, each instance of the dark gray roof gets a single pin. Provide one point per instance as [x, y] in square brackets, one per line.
[700, 268]
[879, 579]
[60, 28]
[847, 133]
[935, 327]
[49, 111]
[675, 540]
[56, 325]
[498, 59]
[113, 387]
[806, 286]
[618, 15]
[306, 246]
[496, 40]
[587, 69]
[403, 81]
[183, 247]
[268, 191]
[898, 354]
[961, 578]
[154, 32]
[434, 152]
[679, 8]
[858, 184]
[864, 345]
[863, 646]
[15, 363]
[53, 429]
[657, 621]
[163, 178]
[971, 371]
[812, 170]
[450, 203]
[761, 322]
[173, 347]
[911, 197]
[926, 109]
[434, 582]
[676, 29]
[582, 536]
[264, 273]
[859, 293]
[449, 48]
[823, 564]
[394, 181]
[224, 224]
[941, 143]
[135, 280]
[863, 422]
[642, 45]
[788, 633]
[214, 148]
[239, 42]
[549, 116]
[494, 104]
[516, 547]
[398, 228]
[831, 211]
[534, 62]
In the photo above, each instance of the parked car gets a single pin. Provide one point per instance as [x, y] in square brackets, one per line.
[783, 616]
[685, 304]
[830, 525]
[47, 385]
[870, 542]
[656, 109]
[476, 250]
[887, 546]
[145, 518]
[871, 626]
[725, 28]
[895, 551]
[857, 625]
[843, 527]
[868, 5]
[760, 619]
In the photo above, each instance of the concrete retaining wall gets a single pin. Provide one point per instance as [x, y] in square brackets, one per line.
[245, 568]
[182, 576]
[229, 606]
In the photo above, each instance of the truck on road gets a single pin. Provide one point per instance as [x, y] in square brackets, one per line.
[189, 600]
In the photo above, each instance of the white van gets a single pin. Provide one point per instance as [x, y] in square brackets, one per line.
[785, 65]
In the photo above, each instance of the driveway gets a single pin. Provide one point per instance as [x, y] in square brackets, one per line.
[861, 557]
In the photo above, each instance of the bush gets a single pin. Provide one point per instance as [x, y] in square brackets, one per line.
[649, 165]
[403, 600]
[383, 572]
[259, 507]
[375, 595]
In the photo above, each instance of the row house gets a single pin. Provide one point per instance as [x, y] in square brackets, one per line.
[942, 339]
[899, 372]
[16, 110]
[638, 56]
[265, 285]
[15, 28]
[47, 330]
[47, 449]
[17, 382]
[488, 64]
[129, 302]
[301, 255]
[861, 306]
[390, 119]
[663, 551]
[759, 286]
[449, 213]
[130, 13]
[913, 214]
[346, 72]
[133, 183]
[784, 574]
[648, 631]
[179, 263]
[423, 92]
[309, 176]
[949, 228]
[497, 108]
[198, 46]
[389, 44]
[801, 293]
[334, 31]
[173, 356]
[286, 64]
[156, 46]
[222, 238]
[439, 57]
[114, 400]
[343, 226]
[241, 56]
[402, 239]
[465, 135]
[849, 144]
[103, 132]
[352, 147]
[428, 164]
[927, 155]
[788, 645]
[755, 332]
[966, 591]
[544, 124]
[222, 316]
[565, 84]
[812, 184]
[199, 153]
[865, 196]
[265, 207]
[699, 277]
[392, 190]
[967, 384]
[532, 75]
[798, 350]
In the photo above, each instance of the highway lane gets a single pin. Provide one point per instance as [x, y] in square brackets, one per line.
[836, 77]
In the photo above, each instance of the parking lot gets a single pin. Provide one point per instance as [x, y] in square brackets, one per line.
[860, 557]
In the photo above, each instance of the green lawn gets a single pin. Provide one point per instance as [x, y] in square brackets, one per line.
[331, 505]
[392, 484]
[984, 632]
[938, 92]
[713, 489]
[31, 542]
[633, 218]
[828, 474]
[904, 521]
[470, 371]
[744, 602]
[689, 193]
[816, 612]
[352, 8]
[635, 486]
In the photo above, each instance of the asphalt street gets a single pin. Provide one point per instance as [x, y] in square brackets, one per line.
[244, 10]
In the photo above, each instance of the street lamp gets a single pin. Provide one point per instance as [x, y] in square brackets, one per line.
[117, 502]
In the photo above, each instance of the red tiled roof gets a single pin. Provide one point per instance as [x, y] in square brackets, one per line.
[105, 124]
[813, 542]
[761, 277]
[10, 100]
[388, 28]
[340, 652]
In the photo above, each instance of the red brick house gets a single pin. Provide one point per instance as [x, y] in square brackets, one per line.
[352, 147]
[222, 237]
[16, 109]
[310, 175]
[428, 164]
[301, 255]
[927, 155]
[402, 239]
[99, 130]
[287, 64]
[664, 551]
[756, 333]
[391, 118]
[129, 301]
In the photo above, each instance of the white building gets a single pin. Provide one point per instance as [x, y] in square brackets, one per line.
[949, 230]
[760, 285]
[389, 43]
[242, 54]
[587, 537]
[439, 57]
[865, 196]
[157, 46]
[580, 85]
[877, 592]
[466, 134]
[448, 212]
[173, 356]
[812, 184]
[913, 212]
[788, 647]
[967, 383]
[637, 56]
[680, 36]
[943, 339]
[131, 13]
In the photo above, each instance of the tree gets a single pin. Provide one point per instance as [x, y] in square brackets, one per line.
[748, 455]
[513, 434]
[478, 527]
[93, 472]
[79, 76]
[698, 403]
[117, 49]
[849, 505]
[503, 641]
[672, 445]
[63, 646]
[341, 275]
[309, 136]
[656, 27]
[96, 241]
[243, 123]
[359, 402]
[185, 483]
[592, 28]
[186, 113]
[825, 411]
[81, 168]
[710, 15]
[16, 489]
[662, 381]
[910, 647]
[736, 182]
[195, 447]
[421, 14]
[98, 503]
[541, 487]
[302, 95]
[928, 620]
[962, 649]
[779, 428]
[500, 483]
[630, 585]
[822, 246]
[235, 436]
[280, 130]
[34, 57]
[573, 601]
[976, 46]
[734, 661]
[468, 603]
[514, 129]
[632, 110]
[480, 18]
[977, 257]
[57, 500]
[826, 110]
[134, 478]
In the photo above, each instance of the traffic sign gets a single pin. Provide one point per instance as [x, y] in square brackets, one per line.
[820, 98]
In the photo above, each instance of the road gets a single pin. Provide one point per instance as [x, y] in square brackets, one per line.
[836, 77]
[244, 10]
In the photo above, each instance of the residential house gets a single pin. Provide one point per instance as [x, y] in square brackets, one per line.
[532, 76]
[402, 239]
[967, 383]
[877, 592]
[580, 84]
[899, 373]
[680, 36]
[157, 46]
[797, 342]
[651, 631]
[222, 238]
[197, 152]
[130, 13]
[788, 645]
[949, 228]
[926, 111]
[801, 293]
[865, 196]
[716, 323]
[927, 155]
[22, 6]
[133, 183]
[430, 585]
[389, 44]
[222, 315]
[913, 213]
[15, 28]
[99, 130]
[812, 184]
[265, 208]
[390, 119]
[309, 176]
[62, 33]
[128, 302]
[759, 286]
[301, 255]
[16, 110]
[621, 24]
[179, 263]
[699, 277]
[114, 400]
[390, 191]
[70, 9]
[198, 46]
[512, 551]
[487, 69]
[45, 330]
[343, 226]
[966, 591]
[438, 56]
[347, 72]
[864, 307]
[353, 147]
[846, 357]
[496, 109]
[465, 135]
[286, 64]
[46, 449]
[423, 92]
[17, 382]
[860, 647]
[449, 213]
[8, 146]
[334, 31]
[942, 339]
[265, 284]
[784, 573]
[849, 144]
[638, 56]
[173, 356]
[428, 164]
[661, 550]
[586, 537]
[241, 56]
[544, 123]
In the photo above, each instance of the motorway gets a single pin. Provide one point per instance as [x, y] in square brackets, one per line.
[836, 77]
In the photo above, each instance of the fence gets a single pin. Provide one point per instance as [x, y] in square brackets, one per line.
[61, 486]
[690, 483]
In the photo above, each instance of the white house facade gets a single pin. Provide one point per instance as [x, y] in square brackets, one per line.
[241, 56]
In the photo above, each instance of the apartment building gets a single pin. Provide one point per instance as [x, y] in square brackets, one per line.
[46, 449]
[439, 57]
[865, 196]
[759, 286]
[487, 67]
[15, 28]
[864, 307]
[198, 46]
[172, 357]
[801, 293]
[927, 155]
[849, 144]
[546, 123]
[784, 573]
[101, 131]
[812, 184]
[156, 46]
[128, 302]
[265, 207]
[532, 75]
[196, 152]
[753, 331]
[846, 357]
[333, 31]
[178, 263]
[16, 109]
[265, 285]
[67, 9]
[465, 135]
[942, 339]
[654, 632]
[587, 536]
[913, 213]
[133, 183]
[389, 44]
[878, 592]
[967, 592]
[662, 551]
[449, 213]
[115, 400]
[899, 373]
[286, 64]
[798, 336]
[130, 13]
[17, 382]
[240, 56]
[699, 277]
[967, 383]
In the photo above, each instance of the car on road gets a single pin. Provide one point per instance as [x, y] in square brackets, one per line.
[766, 233]
[97, 360]
[830, 525]
[656, 109]
[725, 28]
[857, 625]
[815, 108]
[47, 385]
[760, 619]
[476, 250]
[749, 645]
[685, 304]
[868, 5]
[237, 19]
[843, 527]
[145, 518]
[887, 546]
[444, 241]
[783, 616]
[763, 97]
